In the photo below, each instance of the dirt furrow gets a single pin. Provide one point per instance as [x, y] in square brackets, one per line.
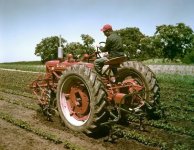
[33, 119]
[18, 99]
[15, 138]
[39, 121]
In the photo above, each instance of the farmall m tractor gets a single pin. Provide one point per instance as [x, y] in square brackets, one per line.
[86, 101]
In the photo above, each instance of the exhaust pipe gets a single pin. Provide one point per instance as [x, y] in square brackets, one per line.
[60, 49]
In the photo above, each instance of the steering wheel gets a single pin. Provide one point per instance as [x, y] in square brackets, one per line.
[102, 42]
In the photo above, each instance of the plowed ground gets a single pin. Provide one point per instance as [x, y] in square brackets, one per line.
[24, 127]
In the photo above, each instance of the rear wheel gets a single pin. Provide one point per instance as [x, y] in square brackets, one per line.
[143, 76]
[81, 99]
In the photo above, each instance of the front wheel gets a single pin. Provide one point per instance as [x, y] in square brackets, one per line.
[81, 99]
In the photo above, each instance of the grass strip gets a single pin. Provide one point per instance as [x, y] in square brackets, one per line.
[24, 67]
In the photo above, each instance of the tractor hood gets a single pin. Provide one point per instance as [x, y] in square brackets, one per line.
[58, 65]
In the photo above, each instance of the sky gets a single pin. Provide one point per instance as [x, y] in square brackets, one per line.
[24, 23]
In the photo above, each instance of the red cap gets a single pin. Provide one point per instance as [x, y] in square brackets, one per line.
[106, 27]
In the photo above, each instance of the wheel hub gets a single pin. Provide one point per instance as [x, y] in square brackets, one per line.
[78, 103]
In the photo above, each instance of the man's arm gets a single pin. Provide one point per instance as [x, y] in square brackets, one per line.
[107, 46]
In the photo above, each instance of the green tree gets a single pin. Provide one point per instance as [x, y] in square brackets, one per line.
[150, 48]
[78, 49]
[131, 40]
[47, 49]
[74, 48]
[88, 41]
[147, 48]
[175, 41]
[189, 56]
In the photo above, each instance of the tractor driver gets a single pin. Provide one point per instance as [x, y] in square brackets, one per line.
[113, 46]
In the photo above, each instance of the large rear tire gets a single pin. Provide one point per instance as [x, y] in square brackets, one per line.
[81, 99]
[145, 77]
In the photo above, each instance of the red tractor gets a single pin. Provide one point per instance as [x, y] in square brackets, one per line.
[86, 100]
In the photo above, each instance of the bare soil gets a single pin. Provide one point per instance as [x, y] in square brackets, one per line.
[16, 136]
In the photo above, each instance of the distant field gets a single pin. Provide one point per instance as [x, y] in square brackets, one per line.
[35, 66]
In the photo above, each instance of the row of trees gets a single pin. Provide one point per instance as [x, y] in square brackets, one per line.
[169, 41]
[47, 48]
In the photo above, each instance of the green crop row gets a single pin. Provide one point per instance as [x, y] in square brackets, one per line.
[18, 92]
[166, 126]
[16, 80]
[23, 104]
[180, 115]
[166, 137]
[147, 140]
[170, 127]
[178, 107]
[127, 133]
[45, 134]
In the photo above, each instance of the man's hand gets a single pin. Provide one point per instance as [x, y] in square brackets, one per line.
[97, 52]
[101, 48]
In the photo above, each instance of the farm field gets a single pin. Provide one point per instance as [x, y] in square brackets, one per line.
[22, 125]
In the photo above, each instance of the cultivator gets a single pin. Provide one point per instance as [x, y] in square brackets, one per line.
[86, 100]
[42, 89]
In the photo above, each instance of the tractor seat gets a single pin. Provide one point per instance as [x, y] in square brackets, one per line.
[115, 61]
